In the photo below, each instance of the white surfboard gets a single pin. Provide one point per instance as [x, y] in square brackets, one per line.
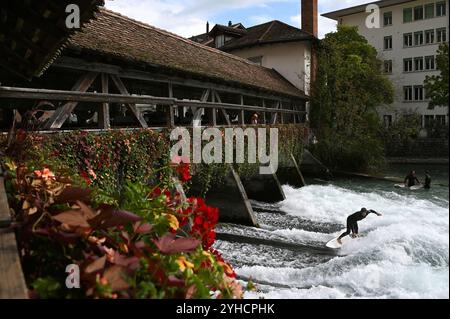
[335, 245]
[413, 188]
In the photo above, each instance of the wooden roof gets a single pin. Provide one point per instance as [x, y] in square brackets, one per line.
[32, 33]
[268, 33]
[118, 36]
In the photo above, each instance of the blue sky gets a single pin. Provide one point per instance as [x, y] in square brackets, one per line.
[188, 17]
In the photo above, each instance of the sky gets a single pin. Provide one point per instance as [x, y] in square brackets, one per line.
[189, 17]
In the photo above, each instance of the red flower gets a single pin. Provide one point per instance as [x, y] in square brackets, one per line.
[85, 176]
[184, 171]
[21, 135]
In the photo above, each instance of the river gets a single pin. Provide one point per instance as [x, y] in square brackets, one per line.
[403, 254]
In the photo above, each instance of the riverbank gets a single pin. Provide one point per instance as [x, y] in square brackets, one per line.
[403, 254]
[420, 161]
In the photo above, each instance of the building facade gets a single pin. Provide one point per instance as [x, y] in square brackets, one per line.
[407, 40]
[274, 44]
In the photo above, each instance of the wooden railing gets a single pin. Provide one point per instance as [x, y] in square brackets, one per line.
[12, 282]
[74, 97]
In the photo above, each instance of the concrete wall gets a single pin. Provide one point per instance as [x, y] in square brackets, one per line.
[375, 36]
[419, 148]
[292, 60]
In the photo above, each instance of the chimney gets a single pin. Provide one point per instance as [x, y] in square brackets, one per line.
[230, 23]
[309, 17]
[207, 27]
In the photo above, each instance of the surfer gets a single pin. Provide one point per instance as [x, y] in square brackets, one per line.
[411, 179]
[427, 180]
[352, 223]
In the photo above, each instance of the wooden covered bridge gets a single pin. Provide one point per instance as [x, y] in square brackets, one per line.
[116, 72]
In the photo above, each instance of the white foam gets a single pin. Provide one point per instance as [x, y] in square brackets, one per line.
[404, 254]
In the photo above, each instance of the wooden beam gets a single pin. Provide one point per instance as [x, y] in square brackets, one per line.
[103, 116]
[45, 25]
[223, 111]
[242, 112]
[123, 90]
[12, 281]
[42, 94]
[273, 119]
[62, 113]
[128, 73]
[170, 114]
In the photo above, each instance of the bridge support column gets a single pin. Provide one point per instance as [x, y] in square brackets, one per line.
[264, 188]
[232, 201]
[291, 174]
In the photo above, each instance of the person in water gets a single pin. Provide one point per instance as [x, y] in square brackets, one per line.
[352, 223]
[411, 179]
[427, 180]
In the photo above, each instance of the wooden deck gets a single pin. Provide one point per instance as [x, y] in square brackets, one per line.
[12, 281]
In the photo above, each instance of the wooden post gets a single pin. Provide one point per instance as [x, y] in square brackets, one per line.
[223, 111]
[12, 281]
[273, 119]
[103, 116]
[281, 114]
[170, 109]
[123, 90]
[242, 112]
[197, 112]
[62, 113]
[212, 112]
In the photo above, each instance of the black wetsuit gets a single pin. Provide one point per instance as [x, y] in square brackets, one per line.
[352, 221]
[427, 181]
[411, 180]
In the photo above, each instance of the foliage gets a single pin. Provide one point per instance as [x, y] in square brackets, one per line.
[406, 126]
[348, 89]
[142, 242]
[291, 140]
[436, 86]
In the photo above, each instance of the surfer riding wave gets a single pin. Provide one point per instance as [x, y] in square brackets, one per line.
[352, 223]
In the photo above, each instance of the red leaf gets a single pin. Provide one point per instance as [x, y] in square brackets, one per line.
[114, 218]
[96, 265]
[73, 218]
[72, 194]
[170, 245]
[142, 228]
[115, 276]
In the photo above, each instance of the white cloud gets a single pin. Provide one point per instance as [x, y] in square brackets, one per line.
[260, 19]
[183, 17]
[188, 17]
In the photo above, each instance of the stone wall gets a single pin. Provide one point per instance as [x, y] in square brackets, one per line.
[418, 148]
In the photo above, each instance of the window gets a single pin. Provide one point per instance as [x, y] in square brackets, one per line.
[418, 38]
[418, 64]
[387, 119]
[388, 43]
[408, 40]
[388, 66]
[387, 18]
[441, 35]
[408, 93]
[429, 62]
[407, 15]
[408, 65]
[428, 121]
[418, 93]
[429, 36]
[429, 11]
[418, 13]
[440, 119]
[220, 41]
[441, 9]
[257, 60]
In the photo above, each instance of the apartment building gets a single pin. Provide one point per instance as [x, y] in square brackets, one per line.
[407, 39]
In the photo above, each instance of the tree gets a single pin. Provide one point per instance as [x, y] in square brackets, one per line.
[436, 86]
[348, 89]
